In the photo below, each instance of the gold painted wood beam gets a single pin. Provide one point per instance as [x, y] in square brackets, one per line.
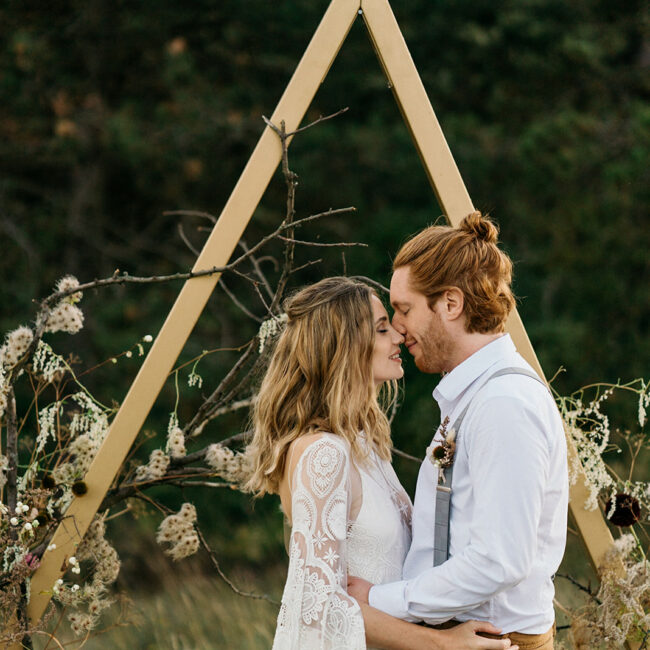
[295, 101]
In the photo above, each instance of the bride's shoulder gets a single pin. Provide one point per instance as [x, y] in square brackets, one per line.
[314, 442]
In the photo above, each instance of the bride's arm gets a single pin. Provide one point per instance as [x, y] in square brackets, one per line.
[316, 610]
[389, 633]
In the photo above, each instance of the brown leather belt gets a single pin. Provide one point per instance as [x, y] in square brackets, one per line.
[524, 641]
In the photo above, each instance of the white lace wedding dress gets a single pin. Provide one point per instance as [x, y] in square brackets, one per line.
[346, 518]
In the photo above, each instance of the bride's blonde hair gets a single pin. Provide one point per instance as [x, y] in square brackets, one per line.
[319, 379]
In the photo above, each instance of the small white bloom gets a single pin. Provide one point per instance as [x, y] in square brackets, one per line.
[51, 547]
[128, 354]
[147, 338]
[75, 587]
[14, 521]
[35, 523]
[76, 570]
[15, 346]
[27, 526]
[59, 581]
[72, 560]
[269, 328]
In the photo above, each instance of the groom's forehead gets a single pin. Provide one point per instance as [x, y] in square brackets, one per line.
[400, 288]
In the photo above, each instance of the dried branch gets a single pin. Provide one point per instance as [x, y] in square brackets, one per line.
[211, 402]
[586, 588]
[403, 454]
[258, 269]
[372, 283]
[12, 450]
[217, 566]
[314, 243]
[238, 303]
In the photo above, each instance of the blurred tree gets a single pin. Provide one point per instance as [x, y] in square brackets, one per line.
[112, 113]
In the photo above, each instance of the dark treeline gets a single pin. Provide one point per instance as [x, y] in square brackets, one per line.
[112, 113]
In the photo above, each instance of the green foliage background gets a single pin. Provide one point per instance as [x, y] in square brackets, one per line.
[113, 112]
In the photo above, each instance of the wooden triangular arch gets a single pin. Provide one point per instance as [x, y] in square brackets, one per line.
[452, 196]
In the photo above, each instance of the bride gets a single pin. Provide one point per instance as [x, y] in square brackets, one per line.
[322, 442]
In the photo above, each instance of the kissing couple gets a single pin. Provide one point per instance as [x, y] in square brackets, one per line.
[470, 564]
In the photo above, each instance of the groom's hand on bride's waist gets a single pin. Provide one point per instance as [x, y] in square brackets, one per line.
[359, 588]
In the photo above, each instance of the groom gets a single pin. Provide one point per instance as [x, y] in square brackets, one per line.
[505, 533]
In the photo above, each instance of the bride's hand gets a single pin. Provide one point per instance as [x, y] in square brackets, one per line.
[465, 637]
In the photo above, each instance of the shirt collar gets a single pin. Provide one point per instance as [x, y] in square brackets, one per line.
[453, 384]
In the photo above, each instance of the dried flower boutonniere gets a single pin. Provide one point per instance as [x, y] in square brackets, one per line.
[441, 454]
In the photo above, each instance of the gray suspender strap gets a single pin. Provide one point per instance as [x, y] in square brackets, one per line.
[443, 492]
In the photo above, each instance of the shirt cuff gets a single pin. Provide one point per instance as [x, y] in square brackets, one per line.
[389, 598]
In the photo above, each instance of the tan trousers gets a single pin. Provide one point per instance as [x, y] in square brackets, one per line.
[524, 641]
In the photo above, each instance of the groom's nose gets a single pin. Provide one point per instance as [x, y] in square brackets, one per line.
[398, 324]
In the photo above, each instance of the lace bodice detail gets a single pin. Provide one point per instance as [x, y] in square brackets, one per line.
[328, 541]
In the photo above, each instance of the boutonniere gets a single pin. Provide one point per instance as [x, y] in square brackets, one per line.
[441, 454]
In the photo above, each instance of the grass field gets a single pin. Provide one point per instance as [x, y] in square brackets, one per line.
[188, 609]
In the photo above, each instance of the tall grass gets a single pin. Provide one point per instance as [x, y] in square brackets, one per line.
[186, 613]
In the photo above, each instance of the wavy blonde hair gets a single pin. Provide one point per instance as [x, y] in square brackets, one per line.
[319, 379]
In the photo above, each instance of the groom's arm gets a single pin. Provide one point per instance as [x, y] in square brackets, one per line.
[508, 468]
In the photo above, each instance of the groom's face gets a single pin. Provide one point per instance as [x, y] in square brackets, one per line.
[424, 331]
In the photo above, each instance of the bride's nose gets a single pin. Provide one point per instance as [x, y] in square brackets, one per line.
[398, 338]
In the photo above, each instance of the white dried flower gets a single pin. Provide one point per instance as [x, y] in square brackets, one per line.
[217, 456]
[67, 283]
[81, 623]
[155, 468]
[178, 531]
[14, 521]
[47, 363]
[65, 317]
[147, 338]
[194, 379]
[4, 466]
[176, 443]
[16, 344]
[270, 328]
[644, 402]
[625, 544]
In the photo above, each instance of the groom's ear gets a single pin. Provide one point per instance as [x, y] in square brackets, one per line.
[453, 303]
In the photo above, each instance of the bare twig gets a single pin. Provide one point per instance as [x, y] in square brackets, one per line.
[212, 400]
[314, 243]
[238, 302]
[307, 126]
[12, 451]
[186, 241]
[191, 213]
[403, 454]
[258, 269]
[304, 266]
[372, 283]
[575, 583]
[228, 408]
[215, 563]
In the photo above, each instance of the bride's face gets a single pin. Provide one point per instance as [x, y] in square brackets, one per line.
[386, 361]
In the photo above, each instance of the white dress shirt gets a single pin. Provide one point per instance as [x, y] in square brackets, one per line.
[508, 508]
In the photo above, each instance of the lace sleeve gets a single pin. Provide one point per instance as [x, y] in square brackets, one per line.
[316, 611]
